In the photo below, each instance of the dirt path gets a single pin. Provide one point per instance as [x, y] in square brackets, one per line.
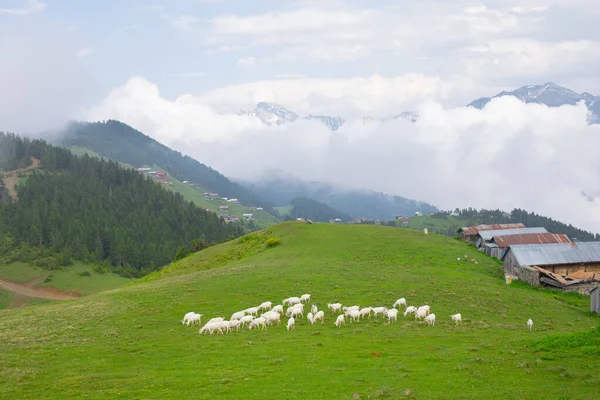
[30, 290]
[11, 178]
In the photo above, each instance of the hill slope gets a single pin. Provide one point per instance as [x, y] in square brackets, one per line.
[130, 342]
[120, 142]
[303, 207]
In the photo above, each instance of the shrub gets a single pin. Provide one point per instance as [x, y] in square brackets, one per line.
[48, 278]
[272, 242]
[84, 273]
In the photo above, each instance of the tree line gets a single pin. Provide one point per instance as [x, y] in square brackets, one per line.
[84, 208]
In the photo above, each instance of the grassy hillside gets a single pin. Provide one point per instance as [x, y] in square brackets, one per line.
[130, 343]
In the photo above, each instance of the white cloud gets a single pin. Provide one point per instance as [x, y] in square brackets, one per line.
[30, 7]
[84, 52]
[183, 21]
[192, 74]
[508, 155]
[247, 61]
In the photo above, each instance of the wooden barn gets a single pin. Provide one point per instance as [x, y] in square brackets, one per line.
[469, 233]
[498, 244]
[595, 300]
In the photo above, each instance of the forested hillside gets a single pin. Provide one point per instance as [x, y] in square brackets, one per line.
[303, 207]
[94, 210]
[120, 142]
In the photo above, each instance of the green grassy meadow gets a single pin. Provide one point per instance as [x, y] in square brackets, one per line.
[129, 342]
[65, 279]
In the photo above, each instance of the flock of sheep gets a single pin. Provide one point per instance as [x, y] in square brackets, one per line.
[271, 314]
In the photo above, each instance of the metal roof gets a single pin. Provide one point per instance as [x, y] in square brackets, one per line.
[487, 235]
[555, 253]
[472, 230]
[529, 238]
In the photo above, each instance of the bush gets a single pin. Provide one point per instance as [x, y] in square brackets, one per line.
[99, 269]
[48, 279]
[272, 242]
[84, 273]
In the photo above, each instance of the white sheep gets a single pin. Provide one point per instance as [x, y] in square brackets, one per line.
[353, 314]
[457, 318]
[187, 316]
[310, 317]
[194, 319]
[260, 321]
[291, 300]
[410, 310]
[378, 310]
[271, 317]
[265, 306]
[430, 319]
[238, 315]
[400, 302]
[234, 323]
[314, 309]
[335, 307]
[246, 319]
[217, 319]
[530, 324]
[365, 312]
[211, 327]
[252, 310]
[278, 308]
[340, 320]
[305, 298]
[392, 315]
[297, 312]
[420, 314]
[320, 316]
[291, 323]
[426, 308]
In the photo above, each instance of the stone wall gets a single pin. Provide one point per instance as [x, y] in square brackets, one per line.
[529, 275]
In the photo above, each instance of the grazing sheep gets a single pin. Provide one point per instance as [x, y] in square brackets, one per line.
[365, 312]
[265, 306]
[313, 309]
[430, 319]
[351, 308]
[340, 320]
[378, 310]
[305, 298]
[297, 312]
[410, 310]
[420, 314]
[194, 319]
[187, 316]
[271, 317]
[260, 321]
[426, 308]
[291, 301]
[246, 319]
[353, 314]
[211, 327]
[289, 311]
[252, 310]
[392, 315]
[400, 302]
[234, 323]
[457, 318]
[310, 318]
[238, 315]
[529, 324]
[278, 308]
[217, 319]
[320, 316]
[291, 324]
[335, 307]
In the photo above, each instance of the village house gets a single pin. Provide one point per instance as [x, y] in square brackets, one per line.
[248, 217]
[498, 245]
[223, 208]
[469, 234]
[566, 266]
[484, 237]
[235, 201]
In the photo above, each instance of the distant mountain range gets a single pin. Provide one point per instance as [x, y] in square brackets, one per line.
[549, 94]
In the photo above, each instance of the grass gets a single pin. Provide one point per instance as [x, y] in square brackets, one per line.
[65, 279]
[284, 210]
[129, 343]
[8, 299]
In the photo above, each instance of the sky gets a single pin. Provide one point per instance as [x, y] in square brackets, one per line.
[179, 70]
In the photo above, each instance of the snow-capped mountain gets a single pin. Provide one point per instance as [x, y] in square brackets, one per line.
[271, 114]
[334, 123]
[411, 116]
[549, 94]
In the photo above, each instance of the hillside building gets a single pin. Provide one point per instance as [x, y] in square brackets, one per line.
[498, 245]
[484, 237]
[469, 233]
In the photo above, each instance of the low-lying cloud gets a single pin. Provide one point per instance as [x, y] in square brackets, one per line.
[508, 155]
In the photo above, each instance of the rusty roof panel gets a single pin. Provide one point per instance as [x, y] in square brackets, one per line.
[504, 241]
[555, 253]
[473, 230]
